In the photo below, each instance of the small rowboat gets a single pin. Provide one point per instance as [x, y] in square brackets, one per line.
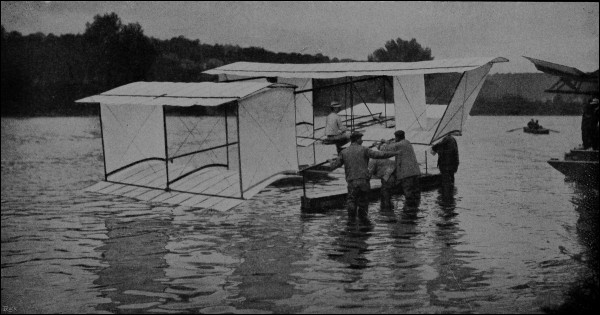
[539, 131]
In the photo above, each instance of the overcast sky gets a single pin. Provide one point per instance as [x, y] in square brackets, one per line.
[560, 32]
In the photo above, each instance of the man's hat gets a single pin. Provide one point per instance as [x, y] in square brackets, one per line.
[399, 133]
[335, 104]
[594, 101]
[355, 136]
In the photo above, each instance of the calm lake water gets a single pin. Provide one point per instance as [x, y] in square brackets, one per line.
[514, 238]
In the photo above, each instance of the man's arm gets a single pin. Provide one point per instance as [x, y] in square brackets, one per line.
[382, 154]
[340, 124]
[440, 145]
[337, 162]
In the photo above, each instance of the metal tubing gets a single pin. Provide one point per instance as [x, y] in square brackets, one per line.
[166, 148]
[102, 137]
[239, 149]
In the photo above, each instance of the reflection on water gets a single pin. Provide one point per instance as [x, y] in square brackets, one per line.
[583, 296]
[134, 251]
[511, 237]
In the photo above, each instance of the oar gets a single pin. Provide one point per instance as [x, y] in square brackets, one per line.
[514, 129]
[553, 130]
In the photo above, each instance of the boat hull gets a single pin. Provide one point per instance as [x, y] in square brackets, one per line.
[578, 165]
[540, 131]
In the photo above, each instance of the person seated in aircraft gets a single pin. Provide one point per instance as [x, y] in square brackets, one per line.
[335, 130]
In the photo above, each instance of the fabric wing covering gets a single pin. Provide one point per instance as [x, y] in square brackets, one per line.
[464, 97]
[266, 132]
[304, 119]
[410, 109]
[133, 125]
[409, 89]
[132, 133]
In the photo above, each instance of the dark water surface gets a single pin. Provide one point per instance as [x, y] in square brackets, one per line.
[515, 237]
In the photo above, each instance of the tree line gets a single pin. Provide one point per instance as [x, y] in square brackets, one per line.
[42, 75]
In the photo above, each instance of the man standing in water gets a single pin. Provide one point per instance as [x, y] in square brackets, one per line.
[385, 170]
[335, 130]
[355, 159]
[589, 125]
[407, 169]
[447, 161]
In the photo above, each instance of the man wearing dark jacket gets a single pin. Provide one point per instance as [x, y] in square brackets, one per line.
[447, 160]
[589, 125]
[355, 159]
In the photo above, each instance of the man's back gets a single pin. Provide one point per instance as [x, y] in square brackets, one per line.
[406, 160]
[382, 168]
[448, 154]
[356, 162]
[333, 125]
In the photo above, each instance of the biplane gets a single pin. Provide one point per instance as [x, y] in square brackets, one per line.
[578, 165]
[571, 80]
[258, 124]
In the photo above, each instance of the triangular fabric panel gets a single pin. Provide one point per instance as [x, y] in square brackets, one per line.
[464, 97]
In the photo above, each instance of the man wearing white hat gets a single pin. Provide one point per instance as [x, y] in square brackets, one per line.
[335, 130]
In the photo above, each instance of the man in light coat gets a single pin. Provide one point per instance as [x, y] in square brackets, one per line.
[385, 170]
[407, 168]
[335, 130]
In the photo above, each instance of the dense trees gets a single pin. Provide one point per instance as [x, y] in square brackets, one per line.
[117, 54]
[401, 51]
[45, 74]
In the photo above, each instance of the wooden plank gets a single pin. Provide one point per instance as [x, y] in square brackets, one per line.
[194, 200]
[232, 191]
[207, 184]
[98, 186]
[161, 197]
[123, 174]
[123, 190]
[178, 198]
[151, 193]
[147, 180]
[136, 192]
[195, 179]
[220, 186]
[111, 188]
[143, 176]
